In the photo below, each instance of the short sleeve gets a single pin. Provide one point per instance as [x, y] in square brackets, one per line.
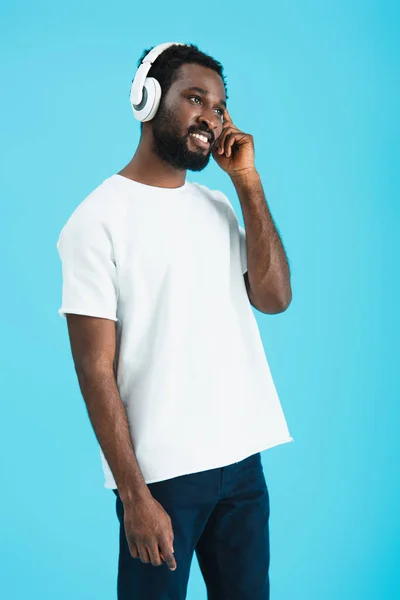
[89, 277]
[243, 252]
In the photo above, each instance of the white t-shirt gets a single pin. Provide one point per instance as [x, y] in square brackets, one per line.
[167, 265]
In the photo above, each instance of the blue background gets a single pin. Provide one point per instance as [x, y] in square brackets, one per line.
[317, 84]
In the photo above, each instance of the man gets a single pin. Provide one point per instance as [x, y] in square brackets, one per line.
[158, 284]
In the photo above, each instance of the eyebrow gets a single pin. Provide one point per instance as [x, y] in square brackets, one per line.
[205, 93]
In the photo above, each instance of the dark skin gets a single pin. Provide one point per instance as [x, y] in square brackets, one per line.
[145, 165]
[267, 278]
[148, 527]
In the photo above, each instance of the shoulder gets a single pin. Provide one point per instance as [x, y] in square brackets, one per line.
[212, 194]
[94, 211]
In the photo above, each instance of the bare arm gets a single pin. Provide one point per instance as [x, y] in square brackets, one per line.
[148, 526]
[93, 349]
[268, 277]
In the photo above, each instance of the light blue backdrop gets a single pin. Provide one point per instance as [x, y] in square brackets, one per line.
[317, 84]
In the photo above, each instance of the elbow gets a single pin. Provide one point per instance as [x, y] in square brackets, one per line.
[286, 301]
[273, 305]
[269, 301]
[90, 369]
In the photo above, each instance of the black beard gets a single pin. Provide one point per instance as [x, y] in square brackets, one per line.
[172, 147]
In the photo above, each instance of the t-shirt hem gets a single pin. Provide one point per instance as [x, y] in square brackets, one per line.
[88, 313]
[112, 486]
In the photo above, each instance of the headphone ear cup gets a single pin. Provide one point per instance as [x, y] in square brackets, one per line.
[148, 107]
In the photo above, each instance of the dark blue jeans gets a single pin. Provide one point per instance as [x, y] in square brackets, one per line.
[221, 514]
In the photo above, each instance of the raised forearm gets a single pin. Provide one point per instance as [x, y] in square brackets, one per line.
[110, 424]
[267, 264]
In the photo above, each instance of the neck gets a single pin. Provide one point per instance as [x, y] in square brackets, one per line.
[148, 168]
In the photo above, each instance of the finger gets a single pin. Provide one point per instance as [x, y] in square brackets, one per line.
[228, 145]
[154, 554]
[226, 127]
[230, 140]
[134, 550]
[227, 117]
[143, 554]
[168, 554]
[221, 140]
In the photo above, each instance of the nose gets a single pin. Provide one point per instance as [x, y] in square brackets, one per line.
[209, 119]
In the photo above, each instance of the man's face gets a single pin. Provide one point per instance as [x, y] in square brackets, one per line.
[185, 111]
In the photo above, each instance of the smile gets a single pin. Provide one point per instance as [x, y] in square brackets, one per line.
[201, 140]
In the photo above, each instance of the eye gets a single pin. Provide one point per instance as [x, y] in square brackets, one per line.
[195, 97]
[221, 110]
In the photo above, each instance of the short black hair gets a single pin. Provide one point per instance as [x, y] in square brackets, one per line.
[166, 66]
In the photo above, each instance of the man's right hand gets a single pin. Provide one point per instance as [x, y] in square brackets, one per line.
[147, 525]
[149, 533]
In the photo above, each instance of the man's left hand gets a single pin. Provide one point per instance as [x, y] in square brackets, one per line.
[233, 151]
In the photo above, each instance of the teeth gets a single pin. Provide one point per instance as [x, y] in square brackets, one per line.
[200, 137]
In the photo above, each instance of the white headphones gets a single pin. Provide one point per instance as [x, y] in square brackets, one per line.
[145, 93]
